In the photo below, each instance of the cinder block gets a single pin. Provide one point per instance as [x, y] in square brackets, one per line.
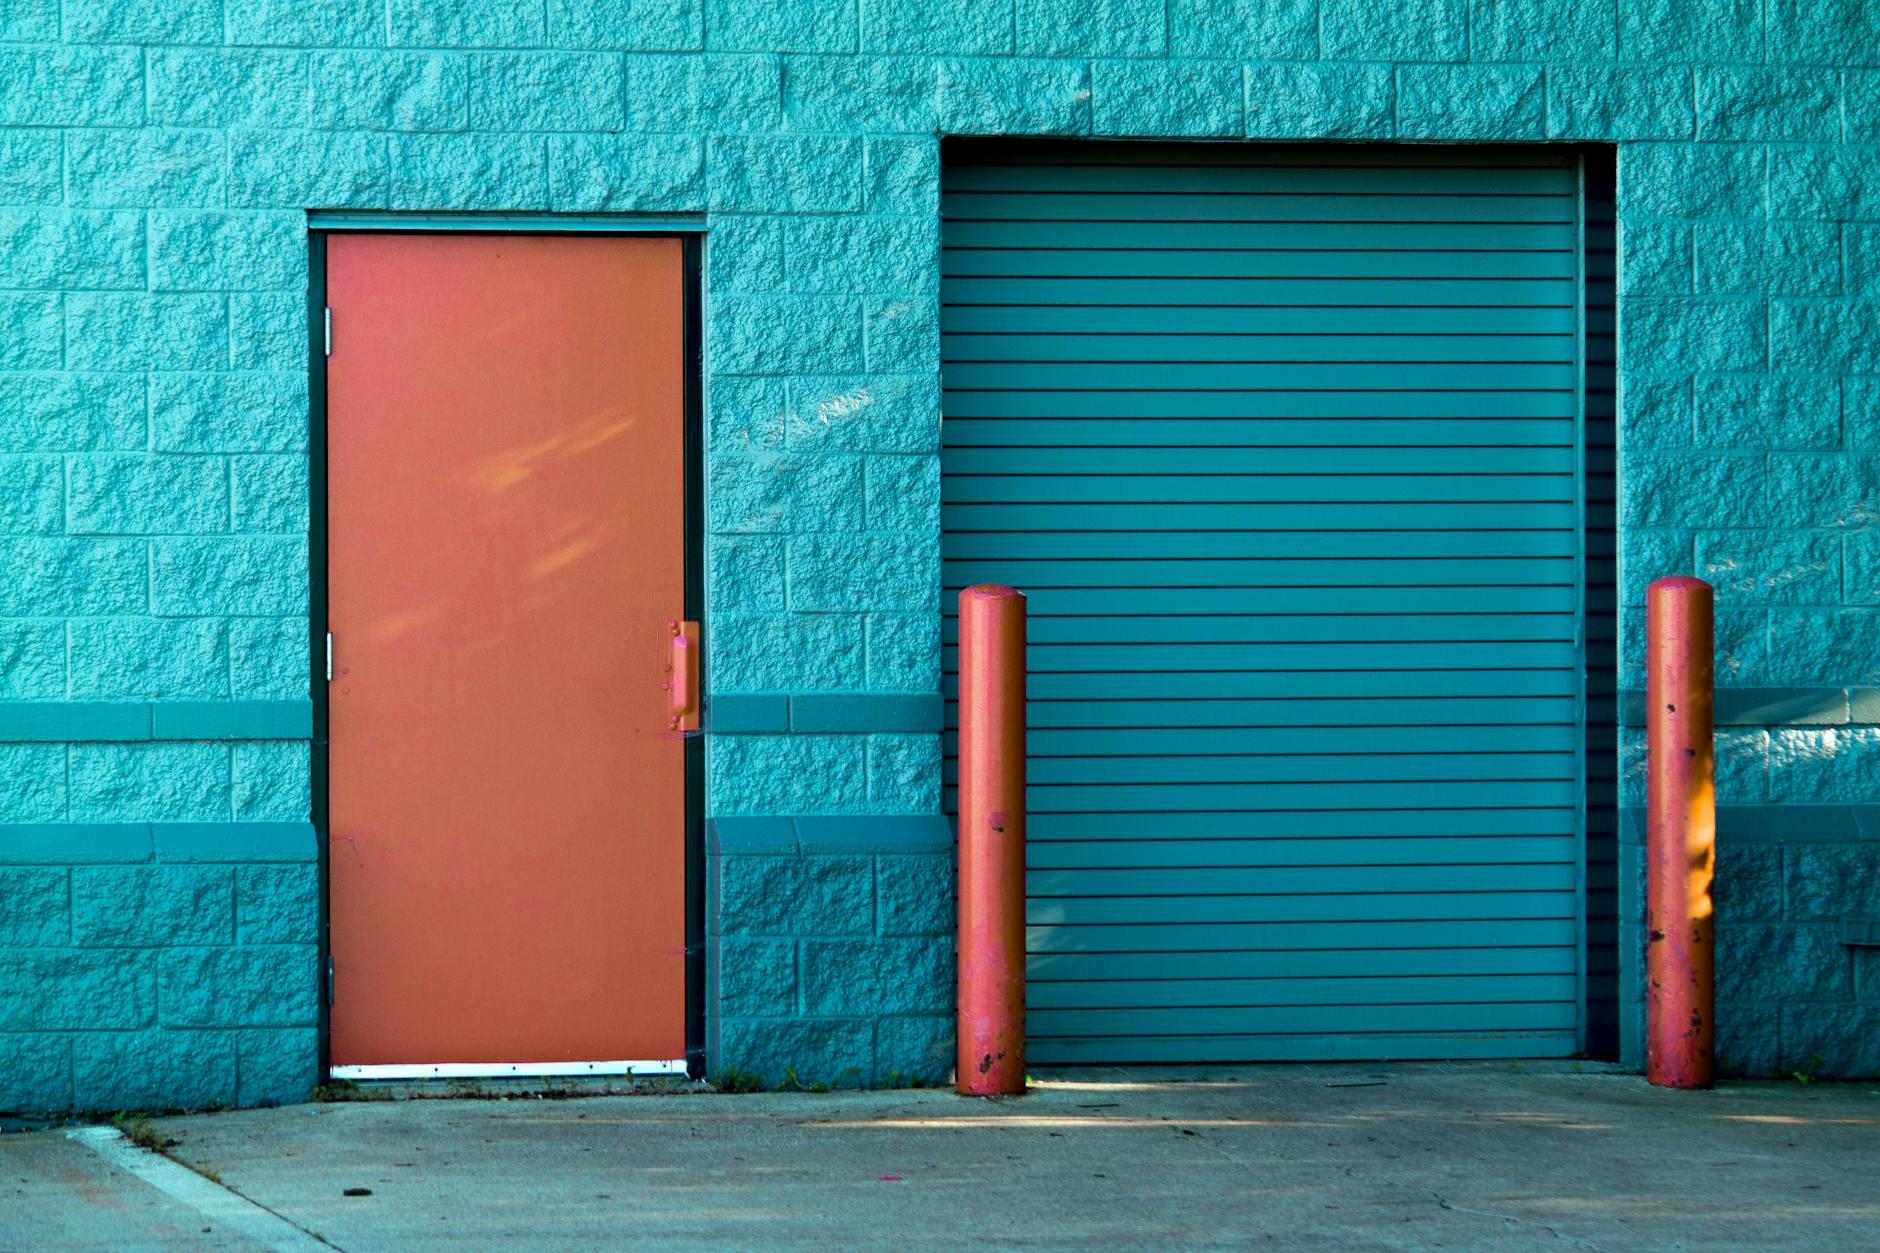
[199, 251]
[594, 173]
[30, 21]
[62, 412]
[71, 86]
[1418, 30]
[1821, 765]
[856, 978]
[1748, 883]
[32, 168]
[63, 249]
[903, 494]
[278, 1066]
[1767, 102]
[466, 24]
[1771, 567]
[1826, 646]
[134, 1070]
[793, 774]
[1668, 30]
[1015, 96]
[45, 577]
[258, 575]
[136, 494]
[745, 572]
[1669, 333]
[904, 773]
[904, 651]
[757, 978]
[35, 1068]
[634, 25]
[903, 335]
[1824, 182]
[1770, 964]
[294, 169]
[1773, 411]
[32, 661]
[469, 172]
[398, 91]
[268, 658]
[152, 782]
[1096, 28]
[307, 23]
[782, 652]
[782, 896]
[804, 26]
[1821, 489]
[785, 493]
[242, 411]
[31, 331]
[1655, 257]
[784, 174]
[835, 1051]
[1470, 101]
[148, 658]
[719, 93]
[271, 985]
[951, 27]
[1831, 1041]
[1305, 100]
[272, 781]
[110, 331]
[32, 495]
[136, 168]
[149, 906]
[1828, 882]
[1527, 30]
[1824, 335]
[547, 91]
[1183, 98]
[1281, 29]
[268, 494]
[267, 330]
[35, 910]
[864, 254]
[783, 334]
[864, 94]
[226, 87]
[865, 413]
[1693, 180]
[833, 573]
[903, 175]
[914, 894]
[1748, 1040]
[277, 904]
[914, 1050]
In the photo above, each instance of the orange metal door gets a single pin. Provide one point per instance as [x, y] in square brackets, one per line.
[506, 487]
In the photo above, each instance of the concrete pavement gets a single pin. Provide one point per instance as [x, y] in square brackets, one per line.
[1411, 1157]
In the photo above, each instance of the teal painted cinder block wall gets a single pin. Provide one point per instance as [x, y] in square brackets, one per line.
[158, 160]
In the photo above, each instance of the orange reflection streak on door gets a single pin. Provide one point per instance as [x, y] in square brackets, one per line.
[506, 552]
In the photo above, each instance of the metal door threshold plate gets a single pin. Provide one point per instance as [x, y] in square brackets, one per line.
[508, 1070]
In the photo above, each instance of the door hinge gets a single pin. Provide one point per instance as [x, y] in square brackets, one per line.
[329, 979]
[329, 330]
[329, 656]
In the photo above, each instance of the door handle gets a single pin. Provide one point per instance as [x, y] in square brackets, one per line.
[682, 678]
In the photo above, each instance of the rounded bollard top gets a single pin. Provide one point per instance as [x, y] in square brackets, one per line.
[990, 591]
[1677, 583]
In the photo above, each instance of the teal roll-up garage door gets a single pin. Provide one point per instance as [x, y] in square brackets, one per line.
[1285, 446]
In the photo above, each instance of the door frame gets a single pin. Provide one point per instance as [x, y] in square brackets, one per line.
[320, 226]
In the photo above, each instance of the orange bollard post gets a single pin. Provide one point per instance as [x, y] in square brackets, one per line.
[991, 1051]
[1681, 836]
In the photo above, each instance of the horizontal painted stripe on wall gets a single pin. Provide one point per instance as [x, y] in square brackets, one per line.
[829, 713]
[757, 835]
[1775, 824]
[76, 843]
[63, 721]
[1778, 706]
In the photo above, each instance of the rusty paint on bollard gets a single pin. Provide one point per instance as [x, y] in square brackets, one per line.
[991, 1056]
[1681, 839]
